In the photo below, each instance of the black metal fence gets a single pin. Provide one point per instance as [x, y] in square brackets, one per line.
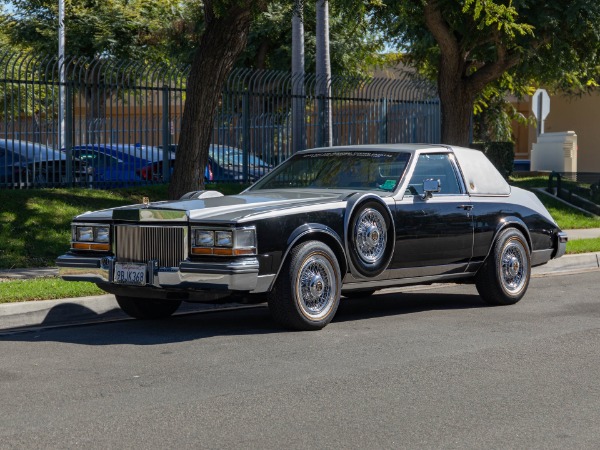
[578, 188]
[118, 116]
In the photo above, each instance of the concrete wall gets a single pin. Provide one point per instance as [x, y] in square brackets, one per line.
[582, 115]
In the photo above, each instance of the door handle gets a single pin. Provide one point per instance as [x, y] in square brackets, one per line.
[465, 207]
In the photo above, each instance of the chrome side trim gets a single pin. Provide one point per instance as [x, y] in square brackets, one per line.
[405, 281]
[412, 272]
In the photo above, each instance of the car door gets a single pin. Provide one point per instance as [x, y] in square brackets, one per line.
[434, 235]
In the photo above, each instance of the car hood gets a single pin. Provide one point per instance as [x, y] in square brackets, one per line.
[225, 209]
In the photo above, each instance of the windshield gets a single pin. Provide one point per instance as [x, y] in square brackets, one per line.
[363, 170]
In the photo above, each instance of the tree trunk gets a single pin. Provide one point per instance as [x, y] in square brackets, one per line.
[223, 40]
[458, 86]
[457, 108]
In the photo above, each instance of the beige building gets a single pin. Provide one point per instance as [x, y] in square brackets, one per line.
[567, 113]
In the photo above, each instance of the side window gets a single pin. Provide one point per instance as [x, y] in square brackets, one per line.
[89, 157]
[437, 166]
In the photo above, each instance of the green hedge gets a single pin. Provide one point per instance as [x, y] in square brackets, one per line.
[501, 154]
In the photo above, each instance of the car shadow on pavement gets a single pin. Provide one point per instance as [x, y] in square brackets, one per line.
[397, 304]
[113, 328]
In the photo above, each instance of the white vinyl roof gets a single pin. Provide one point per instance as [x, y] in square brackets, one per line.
[481, 177]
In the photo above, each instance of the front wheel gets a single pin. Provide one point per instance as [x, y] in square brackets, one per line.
[307, 292]
[504, 277]
[144, 308]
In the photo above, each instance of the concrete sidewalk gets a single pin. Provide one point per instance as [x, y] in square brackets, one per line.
[69, 311]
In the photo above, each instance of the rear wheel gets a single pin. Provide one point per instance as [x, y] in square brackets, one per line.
[144, 308]
[504, 277]
[307, 292]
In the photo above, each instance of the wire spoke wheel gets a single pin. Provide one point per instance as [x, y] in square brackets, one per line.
[370, 235]
[316, 287]
[307, 292]
[513, 267]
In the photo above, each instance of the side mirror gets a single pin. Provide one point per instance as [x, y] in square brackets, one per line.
[429, 187]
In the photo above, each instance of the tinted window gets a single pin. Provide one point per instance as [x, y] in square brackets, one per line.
[437, 166]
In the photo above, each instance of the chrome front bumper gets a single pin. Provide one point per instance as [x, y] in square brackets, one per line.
[238, 275]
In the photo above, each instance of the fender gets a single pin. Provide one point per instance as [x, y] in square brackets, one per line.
[314, 229]
[515, 222]
[354, 201]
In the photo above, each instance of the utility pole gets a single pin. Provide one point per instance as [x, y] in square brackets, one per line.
[61, 74]
[324, 73]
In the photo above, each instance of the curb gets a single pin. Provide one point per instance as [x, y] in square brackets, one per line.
[41, 314]
[22, 316]
[568, 264]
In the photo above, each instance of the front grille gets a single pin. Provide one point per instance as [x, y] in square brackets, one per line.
[167, 245]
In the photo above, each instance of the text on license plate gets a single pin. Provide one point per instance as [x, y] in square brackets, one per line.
[130, 273]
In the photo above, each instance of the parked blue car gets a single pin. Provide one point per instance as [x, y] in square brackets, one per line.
[26, 164]
[225, 164]
[118, 164]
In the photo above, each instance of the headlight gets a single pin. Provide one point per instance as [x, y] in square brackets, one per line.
[204, 238]
[91, 237]
[84, 234]
[224, 239]
[233, 242]
[102, 234]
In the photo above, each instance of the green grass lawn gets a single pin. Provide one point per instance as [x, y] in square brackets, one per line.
[45, 289]
[567, 217]
[584, 246]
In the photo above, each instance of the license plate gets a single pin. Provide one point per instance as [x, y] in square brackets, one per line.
[130, 273]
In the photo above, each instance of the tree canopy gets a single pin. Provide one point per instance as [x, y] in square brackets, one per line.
[354, 44]
[120, 29]
[471, 46]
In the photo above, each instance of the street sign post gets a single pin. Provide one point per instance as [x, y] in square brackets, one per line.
[540, 103]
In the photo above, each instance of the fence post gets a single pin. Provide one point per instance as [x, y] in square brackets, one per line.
[68, 137]
[246, 132]
[551, 177]
[166, 142]
[383, 121]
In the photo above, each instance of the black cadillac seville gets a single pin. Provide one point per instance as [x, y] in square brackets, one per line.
[326, 223]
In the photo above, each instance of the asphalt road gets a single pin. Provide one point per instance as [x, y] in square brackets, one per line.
[430, 368]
